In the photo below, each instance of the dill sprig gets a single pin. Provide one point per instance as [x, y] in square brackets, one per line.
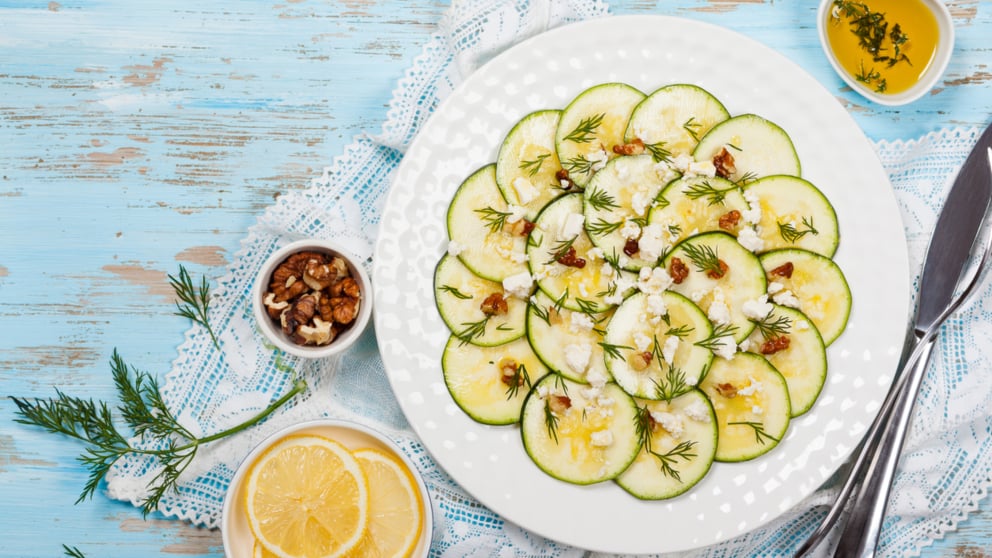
[533, 166]
[872, 30]
[706, 190]
[600, 200]
[791, 234]
[759, 431]
[680, 332]
[143, 409]
[715, 339]
[577, 165]
[585, 132]
[704, 257]
[587, 306]
[671, 386]
[520, 377]
[692, 127]
[667, 460]
[551, 421]
[540, 311]
[613, 351]
[454, 292]
[746, 178]
[194, 302]
[602, 227]
[471, 330]
[773, 326]
[72, 552]
[494, 218]
[560, 249]
[658, 152]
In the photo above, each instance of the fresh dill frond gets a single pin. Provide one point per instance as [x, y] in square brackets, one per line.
[585, 132]
[773, 326]
[533, 166]
[194, 302]
[703, 256]
[791, 234]
[601, 200]
[759, 431]
[493, 218]
[454, 292]
[706, 190]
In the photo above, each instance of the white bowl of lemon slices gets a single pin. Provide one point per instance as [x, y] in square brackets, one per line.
[327, 488]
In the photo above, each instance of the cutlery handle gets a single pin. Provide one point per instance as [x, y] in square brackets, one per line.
[859, 537]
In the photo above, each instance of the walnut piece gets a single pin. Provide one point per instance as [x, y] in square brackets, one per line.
[784, 270]
[312, 297]
[774, 345]
[730, 219]
[724, 163]
[678, 271]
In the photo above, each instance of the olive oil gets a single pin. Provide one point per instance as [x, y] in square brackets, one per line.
[887, 45]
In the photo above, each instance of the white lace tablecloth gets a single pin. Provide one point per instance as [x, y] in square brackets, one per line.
[945, 470]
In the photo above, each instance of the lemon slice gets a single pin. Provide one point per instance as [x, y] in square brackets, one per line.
[307, 497]
[395, 507]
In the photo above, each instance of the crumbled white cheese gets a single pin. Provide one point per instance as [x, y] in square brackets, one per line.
[670, 422]
[718, 312]
[526, 192]
[580, 322]
[596, 378]
[775, 287]
[701, 168]
[630, 230]
[595, 253]
[622, 167]
[601, 438]
[671, 232]
[656, 305]
[519, 257]
[543, 391]
[455, 248]
[786, 298]
[591, 393]
[745, 345]
[752, 215]
[697, 411]
[518, 285]
[802, 325]
[598, 159]
[652, 242]
[564, 183]
[577, 356]
[516, 213]
[571, 226]
[668, 351]
[641, 342]
[653, 280]
[583, 290]
[607, 270]
[681, 162]
[665, 172]
[697, 296]
[758, 308]
[749, 239]
[757, 410]
[613, 299]
[754, 386]
[724, 347]
[639, 202]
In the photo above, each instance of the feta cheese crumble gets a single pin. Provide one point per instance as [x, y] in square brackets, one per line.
[571, 226]
[697, 411]
[718, 312]
[653, 280]
[518, 285]
[786, 298]
[580, 322]
[526, 192]
[749, 239]
[672, 423]
[577, 356]
[757, 309]
[652, 242]
[668, 351]
[601, 438]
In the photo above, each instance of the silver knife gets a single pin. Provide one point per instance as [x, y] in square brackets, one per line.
[951, 246]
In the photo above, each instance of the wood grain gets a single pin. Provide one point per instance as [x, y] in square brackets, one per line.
[141, 136]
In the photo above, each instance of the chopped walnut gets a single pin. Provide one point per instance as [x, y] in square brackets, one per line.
[635, 147]
[631, 247]
[724, 163]
[730, 219]
[640, 361]
[312, 297]
[508, 372]
[718, 273]
[494, 305]
[775, 344]
[678, 271]
[522, 227]
[563, 179]
[726, 390]
[784, 270]
[570, 260]
[559, 403]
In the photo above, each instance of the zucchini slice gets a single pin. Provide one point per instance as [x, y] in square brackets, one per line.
[590, 284]
[673, 118]
[759, 148]
[577, 433]
[479, 226]
[460, 295]
[720, 296]
[490, 383]
[527, 162]
[591, 125]
[794, 214]
[752, 406]
[811, 283]
[651, 348]
[698, 204]
[618, 198]
[802, 361]
[568, 342]
[679, 440]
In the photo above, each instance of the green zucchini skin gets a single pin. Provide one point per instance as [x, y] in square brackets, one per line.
[459, 295]
[759, 147]
[794, 214]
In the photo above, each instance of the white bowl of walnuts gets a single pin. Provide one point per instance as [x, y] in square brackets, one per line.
[312, 298]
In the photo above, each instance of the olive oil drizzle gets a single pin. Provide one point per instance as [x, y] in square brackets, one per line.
[872, 30]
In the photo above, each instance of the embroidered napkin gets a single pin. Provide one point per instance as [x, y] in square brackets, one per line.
[945, 471]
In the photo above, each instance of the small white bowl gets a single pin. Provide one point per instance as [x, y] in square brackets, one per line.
[271, 329]
[235, 532]
[945, 46]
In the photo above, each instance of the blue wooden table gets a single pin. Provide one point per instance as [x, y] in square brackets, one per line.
[135, 137]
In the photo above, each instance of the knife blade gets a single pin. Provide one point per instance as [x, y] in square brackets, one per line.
[955, 233]
[951, 245]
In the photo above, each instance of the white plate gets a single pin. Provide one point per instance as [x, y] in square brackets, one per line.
[547, 72]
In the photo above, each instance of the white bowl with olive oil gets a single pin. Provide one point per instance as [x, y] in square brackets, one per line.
[891, 52]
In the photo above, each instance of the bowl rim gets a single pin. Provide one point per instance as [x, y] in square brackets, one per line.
[233, 487]
[276, 336]
[942, 57]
